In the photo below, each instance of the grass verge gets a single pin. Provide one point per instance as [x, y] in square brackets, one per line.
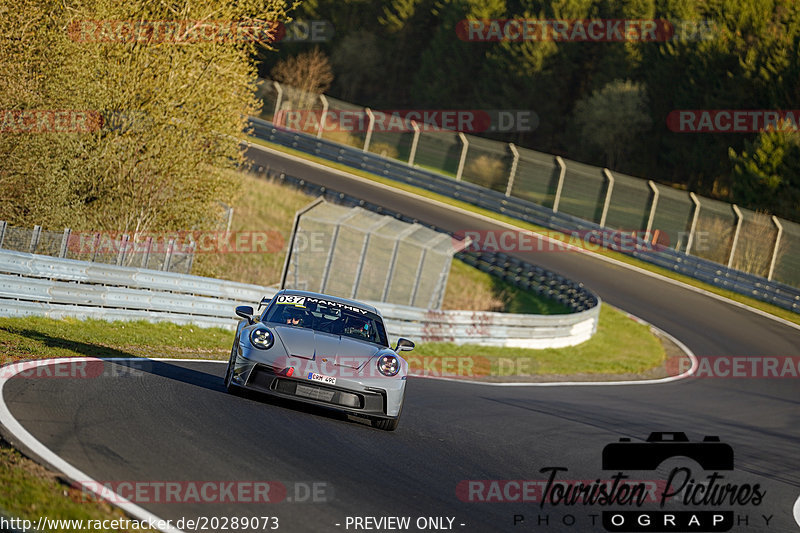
[752, 302]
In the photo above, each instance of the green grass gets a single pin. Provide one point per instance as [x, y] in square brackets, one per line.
[30, 491]
[39, 337]
[621, 346]
[746, 300]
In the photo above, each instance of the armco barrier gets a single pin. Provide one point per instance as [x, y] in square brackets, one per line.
[36, 285]
[715, 274]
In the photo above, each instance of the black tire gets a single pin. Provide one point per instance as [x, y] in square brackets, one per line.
[386, 424]
[229, 385]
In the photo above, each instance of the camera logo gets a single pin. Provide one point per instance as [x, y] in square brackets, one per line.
[711, 454]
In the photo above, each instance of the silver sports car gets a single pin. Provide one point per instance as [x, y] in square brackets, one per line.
[322, 350]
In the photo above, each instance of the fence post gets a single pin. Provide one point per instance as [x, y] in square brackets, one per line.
[607, 203]
[735, 233]
[295, 227]
[168, 256]
[3, 225]
[324, 114]
[37, 233]
[562, 172]
[398, 239]
[332, 248]
[513, 173]
[693, 227]
[191, 257]
[123, 242]
[414, 143]
[95, 244]
[778, 225]
[62, 253]
[368, 137]
[417, 275]
[148, 247]
[363, 257]
[653, 206]
[465, 147]
[278, 101]
[230, 220]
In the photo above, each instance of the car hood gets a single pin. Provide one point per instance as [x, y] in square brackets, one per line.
[310, 344]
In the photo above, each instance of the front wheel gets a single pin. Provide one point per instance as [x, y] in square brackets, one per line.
[229, 385]
[386, 424]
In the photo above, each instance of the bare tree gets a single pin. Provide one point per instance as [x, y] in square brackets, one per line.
[307, 75]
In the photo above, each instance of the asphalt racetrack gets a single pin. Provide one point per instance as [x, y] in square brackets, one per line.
[152, 421]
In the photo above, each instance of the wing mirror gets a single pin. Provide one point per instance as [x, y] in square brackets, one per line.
[246, 312]
[404, 345]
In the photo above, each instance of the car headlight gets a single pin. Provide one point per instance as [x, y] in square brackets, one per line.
[261, 338]
[388, 365]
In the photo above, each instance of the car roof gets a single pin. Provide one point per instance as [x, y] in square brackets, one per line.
[345, 301]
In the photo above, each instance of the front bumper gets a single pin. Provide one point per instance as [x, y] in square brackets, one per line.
[360, 397]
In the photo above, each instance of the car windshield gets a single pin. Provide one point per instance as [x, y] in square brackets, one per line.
[327, 316]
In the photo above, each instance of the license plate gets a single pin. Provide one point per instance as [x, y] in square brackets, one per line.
[328, 380]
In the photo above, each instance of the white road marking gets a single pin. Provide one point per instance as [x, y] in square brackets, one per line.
[44, 453]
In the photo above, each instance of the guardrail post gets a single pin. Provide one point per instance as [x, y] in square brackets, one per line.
[607, 203]
[465, 147]
[278, 101]
[778, 225]
[371, 125]
[513, 173]
[693, 227]
[3, 225]
[653, 206]
[168, 255]
[62, 253]
[562, 172]
[37, 233]
[735, 233]
[414, 143]
[324, 114]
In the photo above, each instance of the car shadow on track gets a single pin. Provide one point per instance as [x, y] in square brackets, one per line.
[115, 363]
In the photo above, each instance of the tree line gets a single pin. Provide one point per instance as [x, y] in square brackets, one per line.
[610, 102]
